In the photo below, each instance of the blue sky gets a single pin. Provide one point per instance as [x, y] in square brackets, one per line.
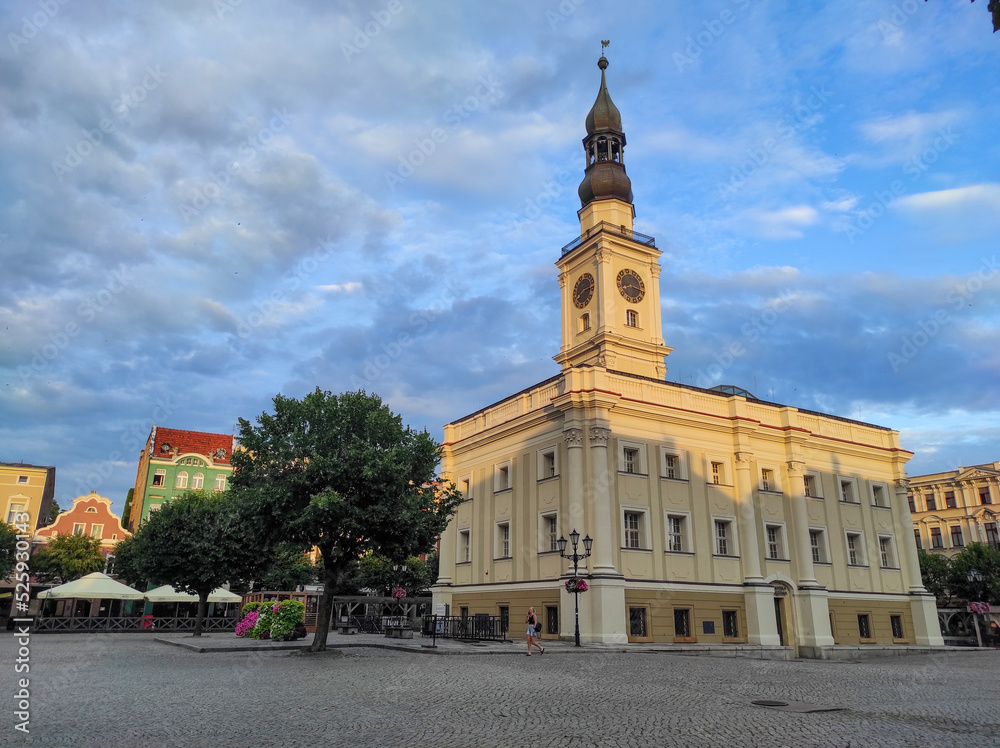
[204, 204]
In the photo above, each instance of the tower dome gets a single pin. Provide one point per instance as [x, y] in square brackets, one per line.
[605, 176]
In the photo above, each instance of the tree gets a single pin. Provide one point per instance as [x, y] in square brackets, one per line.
[341, 472]
[287, 569]
[935, 571]
[986, 560]
[67, 557]
[54, 511]
[125, 564]
[197, 543]
[8, 550]
[127, 511]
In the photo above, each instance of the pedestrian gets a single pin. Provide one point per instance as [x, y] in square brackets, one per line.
[534, 628]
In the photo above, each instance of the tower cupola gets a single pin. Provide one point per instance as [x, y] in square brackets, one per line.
[605, 176]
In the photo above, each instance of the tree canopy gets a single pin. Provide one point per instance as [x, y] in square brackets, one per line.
[8, 549]
[125, 564]
[343, 473]
[197, 543]
[947, 578]
[67, 557]
[287, 568]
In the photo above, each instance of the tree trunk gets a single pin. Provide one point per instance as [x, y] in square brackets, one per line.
[330, 580]
[202, 610]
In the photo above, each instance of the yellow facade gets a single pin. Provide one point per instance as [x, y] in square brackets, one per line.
[27, 488]
[955, 508]
[758, 519]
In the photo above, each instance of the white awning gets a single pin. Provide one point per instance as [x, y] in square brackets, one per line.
[91, 587]
[167, 594]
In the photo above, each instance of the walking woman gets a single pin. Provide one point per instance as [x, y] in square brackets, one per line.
[534, 628]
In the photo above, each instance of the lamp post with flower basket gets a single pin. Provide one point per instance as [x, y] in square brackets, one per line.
[576, 585]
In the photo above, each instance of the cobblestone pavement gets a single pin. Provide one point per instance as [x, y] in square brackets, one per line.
[127, 690]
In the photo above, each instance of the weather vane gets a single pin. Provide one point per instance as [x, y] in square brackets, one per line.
[604, 43]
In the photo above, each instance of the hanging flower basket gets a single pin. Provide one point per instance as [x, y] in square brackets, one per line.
[981, 608]
[576, 585]
[399, 593]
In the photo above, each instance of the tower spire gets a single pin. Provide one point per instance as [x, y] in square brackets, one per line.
[604, 146]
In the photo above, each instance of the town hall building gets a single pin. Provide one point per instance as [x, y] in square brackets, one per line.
[715, 517]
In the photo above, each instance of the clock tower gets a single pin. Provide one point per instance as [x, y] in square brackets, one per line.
[610, 274]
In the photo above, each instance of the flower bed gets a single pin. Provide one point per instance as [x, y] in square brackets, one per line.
[273, 620]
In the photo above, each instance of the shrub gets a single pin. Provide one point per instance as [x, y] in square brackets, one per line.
[247, 623]
[284, 618]
[265, 615]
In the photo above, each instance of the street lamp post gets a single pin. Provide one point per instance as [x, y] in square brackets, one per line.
[575, 557]
[973, 576]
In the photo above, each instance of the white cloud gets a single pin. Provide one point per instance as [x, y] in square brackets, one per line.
[348, 287]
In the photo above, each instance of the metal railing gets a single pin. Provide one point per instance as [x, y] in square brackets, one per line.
[479, 627]
[610, 228]
[131, 623]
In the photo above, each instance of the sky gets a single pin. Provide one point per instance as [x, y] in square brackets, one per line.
[206, 203]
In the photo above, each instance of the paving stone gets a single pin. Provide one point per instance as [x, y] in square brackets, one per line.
[128, 690]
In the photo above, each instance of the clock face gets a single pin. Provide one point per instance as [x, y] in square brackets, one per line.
[583, 291]
[631, 286]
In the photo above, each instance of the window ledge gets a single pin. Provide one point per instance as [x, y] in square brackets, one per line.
[771, 491]
[547, 479]
[786, 560]
[502, 558]
[549, 553]
[638, 550]
[720, 485]
[822, 563]
[679, 553]
[889, 568]
[463, 563]
[818, 498]
[857, 566]
[678, 480]
[638, 475]
[880, 506]
[503, 490]
[719, 555]
[852, 503]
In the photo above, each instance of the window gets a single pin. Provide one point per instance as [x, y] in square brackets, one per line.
[718, 473]
[767, 480]
[722, 537]
[855, 553]
[548, 464]
[464, 546]
[467, 488]
[79, 528]
[730, 624]
[501, 477]
[631, 318]
[631, 461]
[97, 531]
[552, 620]
[992, 537]
[774, 548]
[669, 466]
[675, 533]
[682, 623]
[182, 480]
[633, 522]
[847, 492]
[817, 546]
[159, 477]
[198, 481]
[936, 541]
[220, 482]
[896, 622]
[916, 537]
[91, 510]
[810, 485]
[931, 503]
[14, 510]
[949, 500]
[913, 504]
[864, 626]
[503, 539]
[637, 627]
[887, 557]
[550, 533]
[154, 508]
[22, 479]
[880, 495]
[584, 322]
[957, 541]
[984, 495]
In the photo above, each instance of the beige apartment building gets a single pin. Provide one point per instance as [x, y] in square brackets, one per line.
[715, 517]
[955, 508]
[27, 489]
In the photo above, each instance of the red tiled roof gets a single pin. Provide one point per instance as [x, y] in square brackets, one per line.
[197, 442]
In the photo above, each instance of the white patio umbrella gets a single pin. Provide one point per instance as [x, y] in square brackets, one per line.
[91, 587]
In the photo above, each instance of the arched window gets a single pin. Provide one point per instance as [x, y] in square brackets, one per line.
[585, 322]
[616, 151]
[602, 149]
[197, 481]
[632, 318]
[182, 480]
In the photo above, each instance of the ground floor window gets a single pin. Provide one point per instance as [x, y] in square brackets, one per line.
[682, 622]
[730, 624]
[637, 623]
[864, 626]
[552, 620]
[897, 626]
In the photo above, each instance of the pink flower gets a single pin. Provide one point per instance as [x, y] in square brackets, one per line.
[274, 609]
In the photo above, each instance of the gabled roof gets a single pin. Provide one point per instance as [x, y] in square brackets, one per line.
[218, 447]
